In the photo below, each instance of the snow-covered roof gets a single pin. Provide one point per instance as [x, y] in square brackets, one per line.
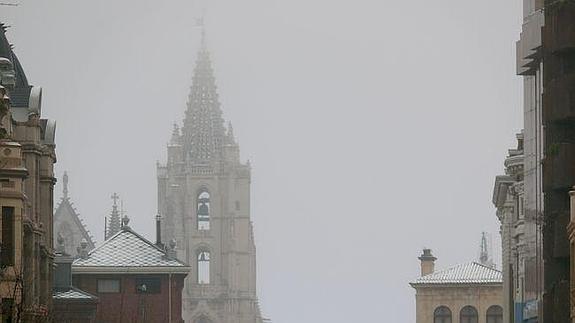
[127, 251]
[468, 273]
[73, 294]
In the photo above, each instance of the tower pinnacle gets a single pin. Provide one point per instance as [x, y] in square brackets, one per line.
[115, 222]
[484, 256]
[65, 184]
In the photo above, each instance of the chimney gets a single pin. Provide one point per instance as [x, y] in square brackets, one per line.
[427, 262]
[63, 271]
[159, 231]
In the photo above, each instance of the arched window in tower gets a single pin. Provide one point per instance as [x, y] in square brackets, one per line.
[442, 314]
[468, 314]
[495, 314]
[203, 267]
[203, 210]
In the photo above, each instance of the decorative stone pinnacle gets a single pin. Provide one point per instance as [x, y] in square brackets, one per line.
[65, 184]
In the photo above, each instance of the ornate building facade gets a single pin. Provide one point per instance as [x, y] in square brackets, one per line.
[27, 183]
[558, 171]
[518, 195]
[68, 225]
[204, 204]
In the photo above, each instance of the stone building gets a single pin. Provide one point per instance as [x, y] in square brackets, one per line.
[27, 183]
[518, 195]
[134, 279]
[520, 243]
[465, 293]
[68, 225]
[204, 202]
[559, 146]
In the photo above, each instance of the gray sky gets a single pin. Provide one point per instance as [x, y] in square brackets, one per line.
[374, 128]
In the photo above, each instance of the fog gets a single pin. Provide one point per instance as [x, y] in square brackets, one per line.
[374, 128]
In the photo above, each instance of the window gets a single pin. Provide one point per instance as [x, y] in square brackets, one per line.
[108, 285]
[495, 314]
[203, 211]
[148, 285]
[520, 208]
[468, 314]
[7, 236]
[203, 267]
[7, 310]
[442, 314]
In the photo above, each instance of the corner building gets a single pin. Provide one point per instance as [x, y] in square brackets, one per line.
[204, 204]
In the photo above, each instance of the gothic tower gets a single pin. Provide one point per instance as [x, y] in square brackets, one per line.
[204, 205]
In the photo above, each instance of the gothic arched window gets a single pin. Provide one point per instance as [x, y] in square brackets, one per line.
[468, 314]
[495, 314]
[442, 314]
[203, 211]
[203, 267]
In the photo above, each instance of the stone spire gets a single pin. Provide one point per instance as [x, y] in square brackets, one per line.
[484, 257]
[203, 131]
[115, 222]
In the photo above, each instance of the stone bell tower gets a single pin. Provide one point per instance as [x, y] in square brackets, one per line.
[204, 205]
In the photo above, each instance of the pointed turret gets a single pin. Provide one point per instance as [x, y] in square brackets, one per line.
[115, 222]
[203, 131]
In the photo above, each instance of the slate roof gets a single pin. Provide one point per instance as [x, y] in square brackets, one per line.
[468, 273]
[19, 97]
[73, 294]
[127, 250]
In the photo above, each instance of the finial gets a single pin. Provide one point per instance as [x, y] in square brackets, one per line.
[61, 247]
[125, 222]
[65, 184]
[83, 249]
[171, 250]
[484, 257]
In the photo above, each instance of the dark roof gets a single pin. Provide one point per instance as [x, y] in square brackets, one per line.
[20, 95]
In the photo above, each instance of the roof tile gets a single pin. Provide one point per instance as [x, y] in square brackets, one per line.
[127, 249]
[468, 273]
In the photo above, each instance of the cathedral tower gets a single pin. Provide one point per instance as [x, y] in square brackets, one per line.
[204, 205]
